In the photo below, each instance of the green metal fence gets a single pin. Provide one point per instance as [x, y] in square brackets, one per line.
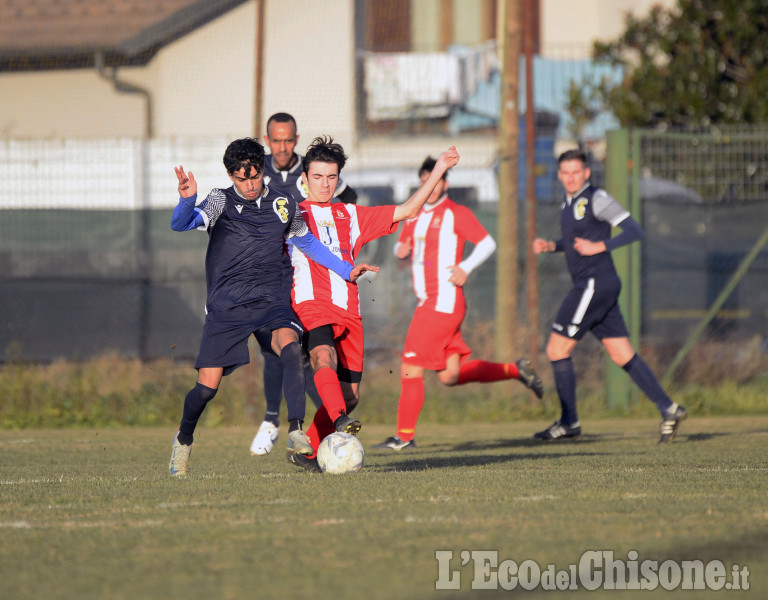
[700, 276]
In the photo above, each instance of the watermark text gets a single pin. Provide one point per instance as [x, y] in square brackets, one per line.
[595, 569]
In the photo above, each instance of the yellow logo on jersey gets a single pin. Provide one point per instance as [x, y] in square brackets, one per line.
[279, 206]
[580, 209]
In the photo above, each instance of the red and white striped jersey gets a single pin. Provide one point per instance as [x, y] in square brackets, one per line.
[437, 237]
[344, 229]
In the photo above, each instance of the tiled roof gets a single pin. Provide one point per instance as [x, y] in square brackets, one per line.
[45, 34]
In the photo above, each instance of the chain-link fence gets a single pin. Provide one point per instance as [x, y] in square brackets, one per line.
[705, 205]
[84, 272]
[699, 294]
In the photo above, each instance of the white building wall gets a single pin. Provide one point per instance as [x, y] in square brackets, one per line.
[569, 28]
[309, 67]
[65, 104]
[203, 84]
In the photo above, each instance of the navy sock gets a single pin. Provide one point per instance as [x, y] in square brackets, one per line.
[294, 424]
[273, 386]
[194, 405]
[644, 378]
[565, 382]
[293, 381]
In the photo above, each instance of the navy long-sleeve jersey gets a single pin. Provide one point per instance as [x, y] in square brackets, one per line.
[589, 214]
[243, 263]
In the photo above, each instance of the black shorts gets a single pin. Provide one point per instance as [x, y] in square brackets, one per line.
[591, 305]
[225, 335]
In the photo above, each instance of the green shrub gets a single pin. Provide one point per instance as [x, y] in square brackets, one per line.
[115, 391]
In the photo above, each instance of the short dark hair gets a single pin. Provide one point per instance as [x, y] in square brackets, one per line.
[281, 117]
[428, 166]
[324, 149]
[574, 154]
[244, 154]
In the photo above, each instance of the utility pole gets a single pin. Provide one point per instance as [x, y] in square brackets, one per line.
[532, 272]
[258, 102]
[507, 269]
[251, 413]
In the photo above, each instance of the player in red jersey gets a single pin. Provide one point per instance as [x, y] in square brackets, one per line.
[435, 242]
[328, 307]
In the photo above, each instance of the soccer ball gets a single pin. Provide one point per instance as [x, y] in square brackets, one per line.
[340, 453]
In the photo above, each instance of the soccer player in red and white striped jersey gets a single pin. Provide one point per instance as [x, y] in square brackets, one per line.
[329, 308]
[435, 241]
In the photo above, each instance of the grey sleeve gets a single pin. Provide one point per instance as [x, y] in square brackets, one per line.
[298, 226]
[213, 206]
[605, 208]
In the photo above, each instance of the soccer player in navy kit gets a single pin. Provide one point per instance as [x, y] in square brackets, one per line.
[247, 225]
[282, 172]
[587, 215]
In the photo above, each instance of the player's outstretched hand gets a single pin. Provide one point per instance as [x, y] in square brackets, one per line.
[358, 270]
[448, 159]
[187, 183]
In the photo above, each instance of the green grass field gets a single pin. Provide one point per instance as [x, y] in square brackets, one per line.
[91, 513]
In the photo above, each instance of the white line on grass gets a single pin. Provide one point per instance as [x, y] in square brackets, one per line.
[535, 498]
[15, 524]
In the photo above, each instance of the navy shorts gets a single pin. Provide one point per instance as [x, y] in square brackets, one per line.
[591, 305]
[226, 332]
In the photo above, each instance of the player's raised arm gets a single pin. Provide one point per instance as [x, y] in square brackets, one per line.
[411, 207]
[185, 217]
[187, 183]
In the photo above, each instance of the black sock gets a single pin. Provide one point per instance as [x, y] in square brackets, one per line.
[293, 381]
[294, 424]
[644, 378]
[273, 387]
[194, 405]
[565, 382]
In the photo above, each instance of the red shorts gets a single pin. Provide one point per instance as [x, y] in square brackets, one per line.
[432, 337]
[347, 330]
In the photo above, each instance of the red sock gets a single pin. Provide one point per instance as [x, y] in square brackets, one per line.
[409, 406]
[321, 427]
[484, 371]
[329, 390]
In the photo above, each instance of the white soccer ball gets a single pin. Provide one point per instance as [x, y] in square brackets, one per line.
[340, 453]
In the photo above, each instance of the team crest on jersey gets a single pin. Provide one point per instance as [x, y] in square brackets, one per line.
[324, 228]
[340, 214]
[580, 209]
[280, 206]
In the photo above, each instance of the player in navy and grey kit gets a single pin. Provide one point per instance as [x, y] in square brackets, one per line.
[587, 215]
[282, 172]
[247, 225]
[283, 168]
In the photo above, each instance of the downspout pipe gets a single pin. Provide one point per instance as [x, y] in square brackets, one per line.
[144, 239]
[127, 88]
